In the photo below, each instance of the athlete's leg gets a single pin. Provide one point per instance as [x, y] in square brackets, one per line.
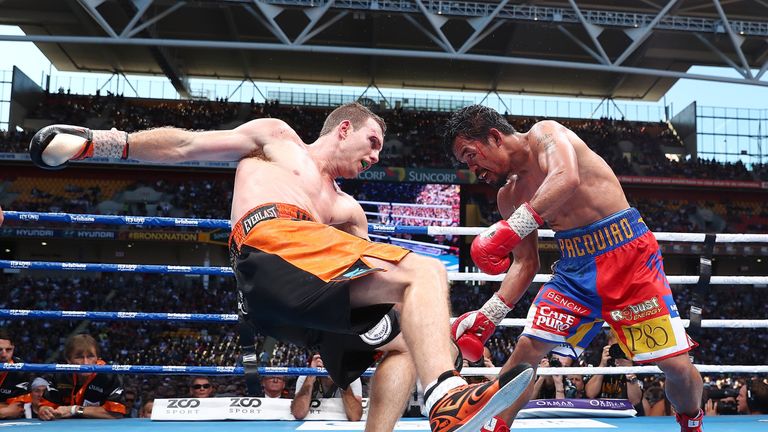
[391, 387]
[684, 385]
[527, 350]
[420, 284]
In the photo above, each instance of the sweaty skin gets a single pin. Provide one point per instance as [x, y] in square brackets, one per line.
[550, 167]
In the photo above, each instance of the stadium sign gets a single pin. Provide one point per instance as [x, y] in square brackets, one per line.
[418, 175]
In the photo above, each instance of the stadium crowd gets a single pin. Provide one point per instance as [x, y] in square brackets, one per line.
[631, 148]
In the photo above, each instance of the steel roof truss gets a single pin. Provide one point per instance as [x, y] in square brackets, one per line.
[322, 27]
[155, 18]
[639, 35]
[720, 54]
[270, 12]
[314, 14]
[480, 24]
[496, 24]
[581, 44]
[90, 7]
[429, 34]
[736, 40]
[437, 22]
[380, 52]
[762, 70]
[593, 31]
[141, 7]
[232, 29]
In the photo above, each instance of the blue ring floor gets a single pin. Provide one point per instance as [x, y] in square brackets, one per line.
[732, 423]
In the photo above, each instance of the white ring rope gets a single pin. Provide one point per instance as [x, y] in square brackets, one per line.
[413, 242]
[660, 236]
[617, 370]
[707, 323]
[394, 204]
[384, 216]
[675, 280]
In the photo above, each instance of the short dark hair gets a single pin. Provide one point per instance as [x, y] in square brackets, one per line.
[5, 334]
[757, 395]
[473, 122]
[354, 112]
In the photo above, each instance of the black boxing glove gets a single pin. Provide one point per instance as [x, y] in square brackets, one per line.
[99, 143]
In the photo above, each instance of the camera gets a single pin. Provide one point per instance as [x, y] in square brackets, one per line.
[725, 398]
[712, 392]
[616, 353]
[555, 362]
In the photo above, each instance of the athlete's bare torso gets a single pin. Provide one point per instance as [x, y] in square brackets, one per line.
[598, 195]
[282, 170]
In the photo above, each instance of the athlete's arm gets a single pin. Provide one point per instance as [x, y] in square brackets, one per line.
[557, 158]
[525, 257]
[356, 222]
[179, 145]
[53, 146]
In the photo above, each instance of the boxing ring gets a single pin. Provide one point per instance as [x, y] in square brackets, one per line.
[712, 423]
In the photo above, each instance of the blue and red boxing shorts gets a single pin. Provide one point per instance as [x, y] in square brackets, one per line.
[609, 271]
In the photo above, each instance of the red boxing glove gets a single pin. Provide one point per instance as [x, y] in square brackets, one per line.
[490, 250]
[496, 424]
[473, 329]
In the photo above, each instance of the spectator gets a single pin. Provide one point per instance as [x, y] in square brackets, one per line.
[655, 402]
[87, 395]
[14, 386]
[311, 387]
[274, 387]
[200, 387]
[550, 386]
[615, 386]
[146, 409]
[574, 387]
[753, 397]
[131, 410]
[36, 389]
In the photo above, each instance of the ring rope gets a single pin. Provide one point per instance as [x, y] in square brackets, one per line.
[201, 270]
[115, 316]
[397, 204]
[281, 371]
[232, 318]
[156, 221]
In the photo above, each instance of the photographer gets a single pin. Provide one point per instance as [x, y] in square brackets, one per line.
[551, 386]
[615, 386]
[753, 397]
[720, 398]
[655, 402]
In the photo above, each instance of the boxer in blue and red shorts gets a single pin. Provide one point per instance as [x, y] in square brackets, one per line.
[610, 271]
[610, 268]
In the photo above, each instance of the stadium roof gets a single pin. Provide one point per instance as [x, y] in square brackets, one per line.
[628, 49]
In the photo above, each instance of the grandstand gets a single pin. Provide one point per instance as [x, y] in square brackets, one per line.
[670, 167]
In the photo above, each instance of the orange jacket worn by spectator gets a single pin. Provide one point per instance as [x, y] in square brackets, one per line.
[14, 386]
[89, 395]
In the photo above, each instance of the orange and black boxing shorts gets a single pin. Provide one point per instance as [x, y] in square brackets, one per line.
[293, 277]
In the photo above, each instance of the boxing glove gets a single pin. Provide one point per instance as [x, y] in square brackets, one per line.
[473, 329]
[490, 249]
[81, 143]
[495, 424]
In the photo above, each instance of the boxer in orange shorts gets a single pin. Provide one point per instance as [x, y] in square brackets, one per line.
[296, 242]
